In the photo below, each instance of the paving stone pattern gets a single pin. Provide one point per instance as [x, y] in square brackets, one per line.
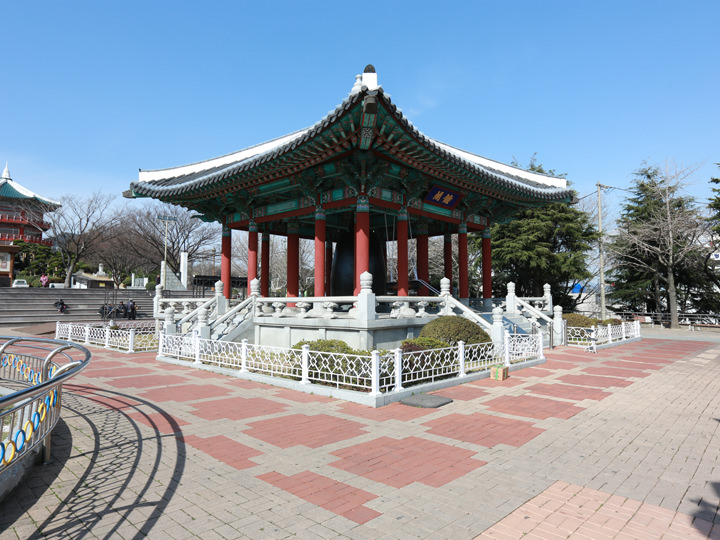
[619, 444]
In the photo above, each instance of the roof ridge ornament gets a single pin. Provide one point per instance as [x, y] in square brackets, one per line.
[369, 77]
[6, 172]
[357, 86]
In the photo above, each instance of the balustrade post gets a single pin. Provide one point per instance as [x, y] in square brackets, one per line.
[202, 325]
[156, 301]
[622, 329]
[87, 334]
[222, 302]
[243, 356]
[375, 374]
[196, 348]
[541, 351]
[506, 350]
[558, 326]
[305, 363]
[170, 328]
[609, 333]
[70, 336]
[57, 329]
[510, 304]
[161, 343]
[498, 330]
[398, 369]
[461, 358]
[547, 293]
[131, 345]
[107, 337]
[255, 287]
[366, 299]
[446, 293]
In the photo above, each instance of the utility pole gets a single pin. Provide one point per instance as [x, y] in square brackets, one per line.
[166, 219]
[602, 258]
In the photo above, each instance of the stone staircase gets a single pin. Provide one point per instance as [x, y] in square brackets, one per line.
[35, 305]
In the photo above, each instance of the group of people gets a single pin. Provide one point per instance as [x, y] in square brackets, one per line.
[121, 311]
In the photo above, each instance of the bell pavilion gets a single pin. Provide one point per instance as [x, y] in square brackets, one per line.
[340, 182]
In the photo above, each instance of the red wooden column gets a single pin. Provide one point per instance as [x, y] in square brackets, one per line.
[252, 252]
[319, 251]
[293, 259]
[464, 289]
[486, 267]
[423, 268]
[328, 264]
[225, 259]
[362, 240]
[265, 265]
[447, 252]
[402, 253]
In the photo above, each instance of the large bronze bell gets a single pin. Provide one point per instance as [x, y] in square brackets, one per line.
[342, 277]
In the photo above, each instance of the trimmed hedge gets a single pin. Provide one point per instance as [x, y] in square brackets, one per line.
[329, 346]
[581, 321]
[422, 344]
[575, 320]
[452, 329]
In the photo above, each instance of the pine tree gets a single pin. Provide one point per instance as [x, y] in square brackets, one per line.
[542, 245]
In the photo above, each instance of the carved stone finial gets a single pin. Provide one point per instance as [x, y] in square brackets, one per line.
[444, 287]
[255, 287]
[366, 281]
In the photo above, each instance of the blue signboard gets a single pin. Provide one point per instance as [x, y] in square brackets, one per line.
[442, 197]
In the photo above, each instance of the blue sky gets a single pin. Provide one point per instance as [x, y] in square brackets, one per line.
[93, 91]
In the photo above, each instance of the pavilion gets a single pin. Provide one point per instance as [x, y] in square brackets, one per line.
[340, 182]
[21, 218]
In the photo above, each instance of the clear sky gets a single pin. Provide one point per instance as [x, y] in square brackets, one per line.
[93, 91]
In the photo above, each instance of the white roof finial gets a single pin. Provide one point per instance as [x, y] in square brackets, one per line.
[357, 86]
[6, 173]
[369, 77]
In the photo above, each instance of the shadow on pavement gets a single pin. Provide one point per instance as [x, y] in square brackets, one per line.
[95, 473]
[708, 512]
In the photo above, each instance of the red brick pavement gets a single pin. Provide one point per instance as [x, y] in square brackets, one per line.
[305, 430]
[399, 463]
[242, 423]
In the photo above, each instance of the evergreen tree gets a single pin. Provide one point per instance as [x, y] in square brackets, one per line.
[660, 235]
[542, 245]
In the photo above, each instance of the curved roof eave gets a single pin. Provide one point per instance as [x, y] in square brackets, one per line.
[24, 193]
[205, 172]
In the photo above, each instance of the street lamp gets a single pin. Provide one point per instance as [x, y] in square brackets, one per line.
[166, 219]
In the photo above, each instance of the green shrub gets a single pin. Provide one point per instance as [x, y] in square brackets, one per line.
[452, 329]
[329, 346]
[575, 320]
[422, 344]
[612, 321]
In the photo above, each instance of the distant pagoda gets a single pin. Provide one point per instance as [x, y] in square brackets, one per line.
[22, 217]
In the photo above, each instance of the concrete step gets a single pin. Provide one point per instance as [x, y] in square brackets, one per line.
[35, 305]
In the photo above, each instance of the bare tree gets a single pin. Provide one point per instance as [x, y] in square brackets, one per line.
[665, 235]
[145, 234]
[120, 261]
[79, 226]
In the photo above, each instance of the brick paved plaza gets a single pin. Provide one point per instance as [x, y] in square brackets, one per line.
[622, 444]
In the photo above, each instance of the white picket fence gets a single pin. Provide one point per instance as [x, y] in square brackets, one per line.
[602, 335]
[128, 336]
[375, 374]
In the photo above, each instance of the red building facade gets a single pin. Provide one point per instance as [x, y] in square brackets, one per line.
[22, 217]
